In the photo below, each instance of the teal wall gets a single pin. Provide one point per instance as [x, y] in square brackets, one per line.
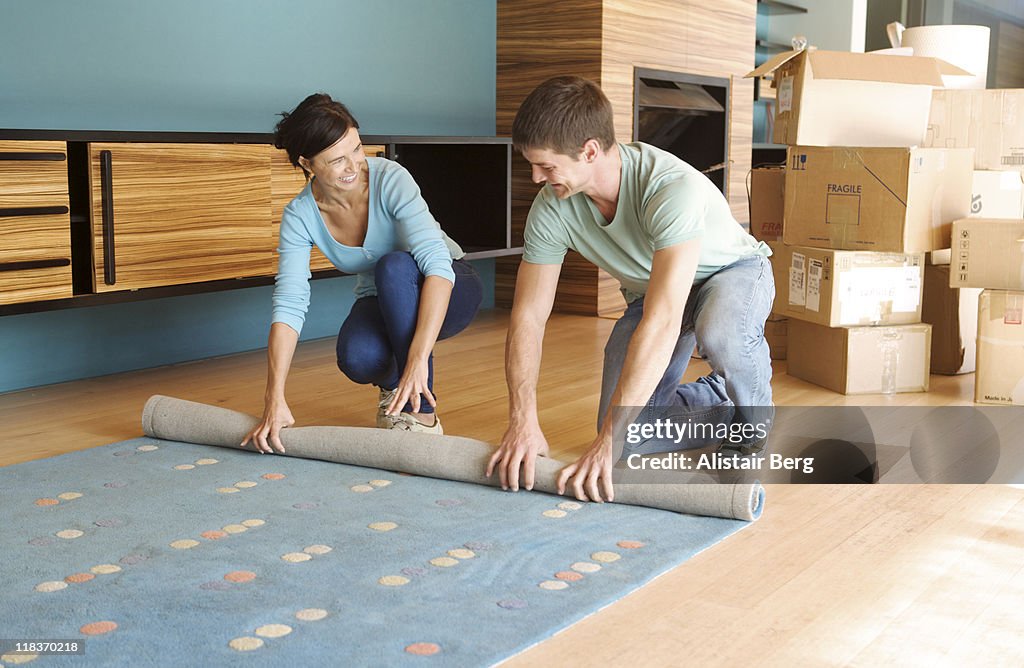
[402, 66]
[414, 67]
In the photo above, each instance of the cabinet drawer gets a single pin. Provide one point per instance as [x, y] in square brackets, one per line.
[35, 258]
[36, 283]
[33, 174]
[24, 238]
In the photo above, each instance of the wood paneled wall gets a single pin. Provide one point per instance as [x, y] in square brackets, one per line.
[604, 40]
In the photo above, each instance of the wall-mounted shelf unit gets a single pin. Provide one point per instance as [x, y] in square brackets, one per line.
[156, 214]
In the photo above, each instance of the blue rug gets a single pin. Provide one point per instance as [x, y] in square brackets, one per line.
[159, 553]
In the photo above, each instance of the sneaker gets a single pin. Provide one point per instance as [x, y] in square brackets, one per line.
[383, 419]
[406, 422]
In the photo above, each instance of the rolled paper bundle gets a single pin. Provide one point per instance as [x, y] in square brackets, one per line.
[445, 457]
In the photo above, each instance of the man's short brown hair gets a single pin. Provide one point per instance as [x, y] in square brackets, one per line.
[563, 113]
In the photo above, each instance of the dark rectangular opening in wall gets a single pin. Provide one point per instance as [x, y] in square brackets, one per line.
[466, 187]
[686, 115]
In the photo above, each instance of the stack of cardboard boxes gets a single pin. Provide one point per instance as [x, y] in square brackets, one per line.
[863, 203]
[987, 254]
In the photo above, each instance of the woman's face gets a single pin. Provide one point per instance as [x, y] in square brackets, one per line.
[340, 165]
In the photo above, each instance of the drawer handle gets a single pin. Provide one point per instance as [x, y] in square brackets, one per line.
[34, 264]
[12, 212]
[33, 156]
[107, 201]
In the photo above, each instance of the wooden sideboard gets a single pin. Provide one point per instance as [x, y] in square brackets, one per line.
[100, 217]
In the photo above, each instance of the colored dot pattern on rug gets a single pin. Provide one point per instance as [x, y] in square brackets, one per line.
[575, 572]
[240, 576]
[393, 580]
[296, 557]
[553, 585]
[423, 649]
[311, 614]
[18, 659]
[605, 557]
[245, 644]
[273, 630]
[630, 544]
[98, 628]
[69, 534]
[512, 604]
[79, 577]
[382, 526]
[317, 549]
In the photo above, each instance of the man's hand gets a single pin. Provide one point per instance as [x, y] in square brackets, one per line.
[519, 446]
[266, 436]
[591, 474]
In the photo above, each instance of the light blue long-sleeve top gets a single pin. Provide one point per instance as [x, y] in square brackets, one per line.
[398, 220]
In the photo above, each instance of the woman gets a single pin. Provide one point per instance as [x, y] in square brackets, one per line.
[367, 216]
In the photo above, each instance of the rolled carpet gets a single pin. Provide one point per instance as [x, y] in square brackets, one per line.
[445, 457]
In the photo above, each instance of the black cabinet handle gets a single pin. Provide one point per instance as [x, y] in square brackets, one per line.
[36, 156]
[107, 202]
[34, 264]
[12, 212]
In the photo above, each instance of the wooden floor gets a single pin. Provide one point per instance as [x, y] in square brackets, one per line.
[829, 576]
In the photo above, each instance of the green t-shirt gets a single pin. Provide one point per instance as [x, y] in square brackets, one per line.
[662, 202]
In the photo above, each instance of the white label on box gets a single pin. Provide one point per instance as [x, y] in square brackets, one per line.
[867, 294]
[785, 94]
[797, 282]
[814, 271]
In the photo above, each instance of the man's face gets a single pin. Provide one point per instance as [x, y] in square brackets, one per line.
[565, 174]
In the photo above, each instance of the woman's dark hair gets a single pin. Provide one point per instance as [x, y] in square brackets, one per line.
[311, 127]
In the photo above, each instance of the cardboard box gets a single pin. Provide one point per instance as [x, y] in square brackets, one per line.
[997, 194]
[989, 121]
[953, 315]
[776, 333]
[878, 199]
[993, 195]
[989, 253]
[767, 186]
[858, 360]
[837, 288]
[833, 98]
[1000, 376]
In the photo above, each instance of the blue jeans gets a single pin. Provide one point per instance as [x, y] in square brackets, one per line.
[724, 318]
[374, 340]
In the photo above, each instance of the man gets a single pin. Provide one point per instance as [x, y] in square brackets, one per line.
[688, 270]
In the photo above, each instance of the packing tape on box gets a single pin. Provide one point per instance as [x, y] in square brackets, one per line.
[445, 457]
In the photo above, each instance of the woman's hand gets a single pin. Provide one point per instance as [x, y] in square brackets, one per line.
[412, 386]
[266, 436]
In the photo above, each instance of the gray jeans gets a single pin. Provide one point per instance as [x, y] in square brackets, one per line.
[724, 319]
